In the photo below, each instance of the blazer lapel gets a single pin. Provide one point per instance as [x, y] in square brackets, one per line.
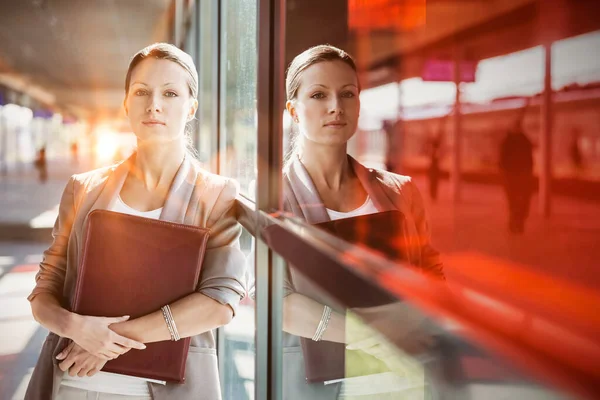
[369, 182]
[104, 197]
[179, 206]
[308, 198]
[306, 194]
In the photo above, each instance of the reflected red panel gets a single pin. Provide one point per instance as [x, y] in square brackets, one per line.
[399, 15]
[526, 287]
[25, 268]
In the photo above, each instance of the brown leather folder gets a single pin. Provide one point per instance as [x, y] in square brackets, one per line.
[382, 232]
[133, 266]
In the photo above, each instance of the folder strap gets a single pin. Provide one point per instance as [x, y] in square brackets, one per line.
[170, 321]
[322, 324]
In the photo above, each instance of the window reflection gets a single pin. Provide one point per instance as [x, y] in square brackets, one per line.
[238, 91]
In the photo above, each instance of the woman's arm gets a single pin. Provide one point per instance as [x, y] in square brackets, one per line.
[301, 316]
[92, 333]
[193, 315]
[220, 289]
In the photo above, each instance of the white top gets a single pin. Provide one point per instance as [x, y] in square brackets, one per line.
[106, 382]
[367, 208]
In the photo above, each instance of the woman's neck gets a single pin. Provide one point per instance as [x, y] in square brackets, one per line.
[328, 166]
[157, 163]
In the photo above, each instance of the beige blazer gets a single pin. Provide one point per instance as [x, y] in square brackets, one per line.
[196, 197]
[388, 192]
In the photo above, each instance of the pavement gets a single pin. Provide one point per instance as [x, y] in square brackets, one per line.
[29, 208]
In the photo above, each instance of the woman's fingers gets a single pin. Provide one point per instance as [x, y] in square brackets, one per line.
[63, 354]
[116, 320]
[66, 364]
[84, 370]
[126, 342]
[74, 370]
[105, 356]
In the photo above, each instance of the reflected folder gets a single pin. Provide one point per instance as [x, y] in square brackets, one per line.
[133, 266]
[382, 232]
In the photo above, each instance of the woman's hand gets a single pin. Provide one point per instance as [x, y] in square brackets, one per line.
[93, 334]
[79, 362]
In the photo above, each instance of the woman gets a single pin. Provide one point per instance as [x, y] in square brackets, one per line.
[322, 182]
[160, 180]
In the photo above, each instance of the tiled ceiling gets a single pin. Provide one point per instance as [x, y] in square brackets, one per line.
[78, 46]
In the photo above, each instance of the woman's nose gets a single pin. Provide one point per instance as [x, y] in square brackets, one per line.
[153, 106]
[336, 106]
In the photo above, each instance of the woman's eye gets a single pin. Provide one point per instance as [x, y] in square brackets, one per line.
[318, 95]
[141, 92]
[348, 95]
[170, 94]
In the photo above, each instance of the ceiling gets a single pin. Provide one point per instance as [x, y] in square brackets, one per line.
[75, 52]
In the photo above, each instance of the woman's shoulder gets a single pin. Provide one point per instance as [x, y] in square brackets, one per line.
[228, 187]
[95, 176]
[396, 182]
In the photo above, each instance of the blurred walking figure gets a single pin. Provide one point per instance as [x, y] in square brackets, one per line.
[392, 153]
[575, 152]
[516, 164]
[434, 172]
[75, 153]
[41, 165]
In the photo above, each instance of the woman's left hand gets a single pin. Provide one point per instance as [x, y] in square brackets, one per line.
[79, 362]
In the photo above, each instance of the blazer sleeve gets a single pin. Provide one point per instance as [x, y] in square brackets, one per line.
[430, 258]
[51, 275]
[223, 269]
[288, 286]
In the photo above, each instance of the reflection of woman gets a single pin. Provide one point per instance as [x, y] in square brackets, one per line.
[162, 181]
[322, 182]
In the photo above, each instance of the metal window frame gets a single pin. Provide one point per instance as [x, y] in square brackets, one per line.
[269, 266]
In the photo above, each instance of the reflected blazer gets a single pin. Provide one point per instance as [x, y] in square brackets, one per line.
[387, 190]
[196, 197]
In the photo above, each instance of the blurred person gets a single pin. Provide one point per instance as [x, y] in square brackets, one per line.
[516, 165]
[575, 152]
[74, 153]
[392, 151]
[321, 182]
[434, 172]
[41, 164]
[160, 180]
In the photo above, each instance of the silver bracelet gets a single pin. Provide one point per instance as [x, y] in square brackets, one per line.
[322, 324]
[170, 321]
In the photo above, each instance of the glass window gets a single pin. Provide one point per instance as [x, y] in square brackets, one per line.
[237, 159]
[238, 76]
[464, 141]
[207, 134]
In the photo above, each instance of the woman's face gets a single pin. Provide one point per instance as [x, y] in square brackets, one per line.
[327, 105]
[158, 103]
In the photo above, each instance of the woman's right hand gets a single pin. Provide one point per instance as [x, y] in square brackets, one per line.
[94, 335]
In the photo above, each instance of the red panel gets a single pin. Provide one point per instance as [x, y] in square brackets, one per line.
[399, 15]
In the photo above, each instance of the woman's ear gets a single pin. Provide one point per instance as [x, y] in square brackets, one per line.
[289, 105]
[193, 109]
